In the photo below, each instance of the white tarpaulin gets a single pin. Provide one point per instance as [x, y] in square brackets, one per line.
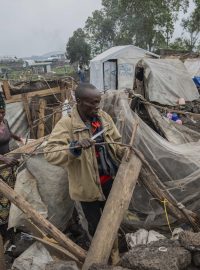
[36, 257]
[193, 67]
[167, 80]
[17, 119]
[115, 53]
[110, 75]
[126, 73]
[45, 187]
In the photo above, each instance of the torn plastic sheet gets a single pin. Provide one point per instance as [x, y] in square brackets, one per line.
[177, 166]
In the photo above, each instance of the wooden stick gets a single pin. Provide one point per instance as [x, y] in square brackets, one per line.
[2, 258]
[168, 109]
[41, 222]
[158, 190]
[28, 114]
[117, 203]
[6, 90]
[28, 148]
[113, 213]
[47, 241]
[41, 114]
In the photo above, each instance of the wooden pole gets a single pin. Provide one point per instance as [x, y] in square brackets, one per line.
[41, 114]
[41, 222]
[28, 113]
[6, 90]
[117, 203]
[2, 258]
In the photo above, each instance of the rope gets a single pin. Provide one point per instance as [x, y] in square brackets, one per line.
[165, 202]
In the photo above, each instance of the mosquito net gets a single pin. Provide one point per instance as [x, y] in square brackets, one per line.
[177, 166]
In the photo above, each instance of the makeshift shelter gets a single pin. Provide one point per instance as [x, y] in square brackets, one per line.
[34, 107]
[115, 68]
[193, 67]
[167, 80]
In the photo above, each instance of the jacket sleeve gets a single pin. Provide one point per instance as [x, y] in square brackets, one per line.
[59, 139]
[116, 137]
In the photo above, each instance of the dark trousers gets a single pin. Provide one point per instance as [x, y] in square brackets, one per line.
[93, 210]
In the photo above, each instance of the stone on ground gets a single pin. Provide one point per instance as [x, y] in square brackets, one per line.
[164, 254]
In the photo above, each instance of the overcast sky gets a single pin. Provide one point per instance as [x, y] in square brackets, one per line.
[35, 27]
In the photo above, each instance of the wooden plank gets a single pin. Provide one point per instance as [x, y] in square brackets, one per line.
[28, 114]
[158, 190]
[28, 148]
[116, 205]
[41, 222]
[40, 93]
[2, 258]
[56, 116]
[41, 115]
[6, 90]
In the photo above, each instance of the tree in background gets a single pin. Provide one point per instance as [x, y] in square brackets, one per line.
[100, 30]
[192, 27]
[148, 24]
[178, 44]
[78, 50]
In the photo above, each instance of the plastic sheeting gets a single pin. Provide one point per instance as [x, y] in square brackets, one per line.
[167, 80]
[26, 185]
[36, 257]
[126, 73]
[45, 186]
[17, 118]
[177, 166]
[193, 67]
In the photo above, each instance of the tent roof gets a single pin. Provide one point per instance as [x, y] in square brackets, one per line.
[167, 80]
[193, 66]
[118, 51]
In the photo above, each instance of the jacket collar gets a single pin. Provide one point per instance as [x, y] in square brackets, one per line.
[77, 122]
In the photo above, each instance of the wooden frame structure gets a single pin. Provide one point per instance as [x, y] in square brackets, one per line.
[60, 93]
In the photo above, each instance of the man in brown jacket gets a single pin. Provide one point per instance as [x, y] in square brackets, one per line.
[91, 168]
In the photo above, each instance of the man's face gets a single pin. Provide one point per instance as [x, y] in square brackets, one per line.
[90, 104]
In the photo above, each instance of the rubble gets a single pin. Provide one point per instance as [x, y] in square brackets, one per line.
[61, 265]
[35, 257]
[163, 254]
[165, 192]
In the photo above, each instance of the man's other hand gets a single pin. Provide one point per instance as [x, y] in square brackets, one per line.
[85, 143]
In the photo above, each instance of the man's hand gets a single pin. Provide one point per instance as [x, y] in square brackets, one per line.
[85, 143]
[10, 161]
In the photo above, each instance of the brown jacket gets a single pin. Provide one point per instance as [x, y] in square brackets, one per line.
[83, 176]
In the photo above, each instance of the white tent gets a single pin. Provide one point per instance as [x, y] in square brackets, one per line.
[115, 68]
[193, 67]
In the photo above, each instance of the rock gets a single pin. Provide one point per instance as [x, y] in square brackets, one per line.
[196, 258]
[35, 257]
[61, 265]
[190, 240]
[142, 237]
[163, 254]
[106, 267]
